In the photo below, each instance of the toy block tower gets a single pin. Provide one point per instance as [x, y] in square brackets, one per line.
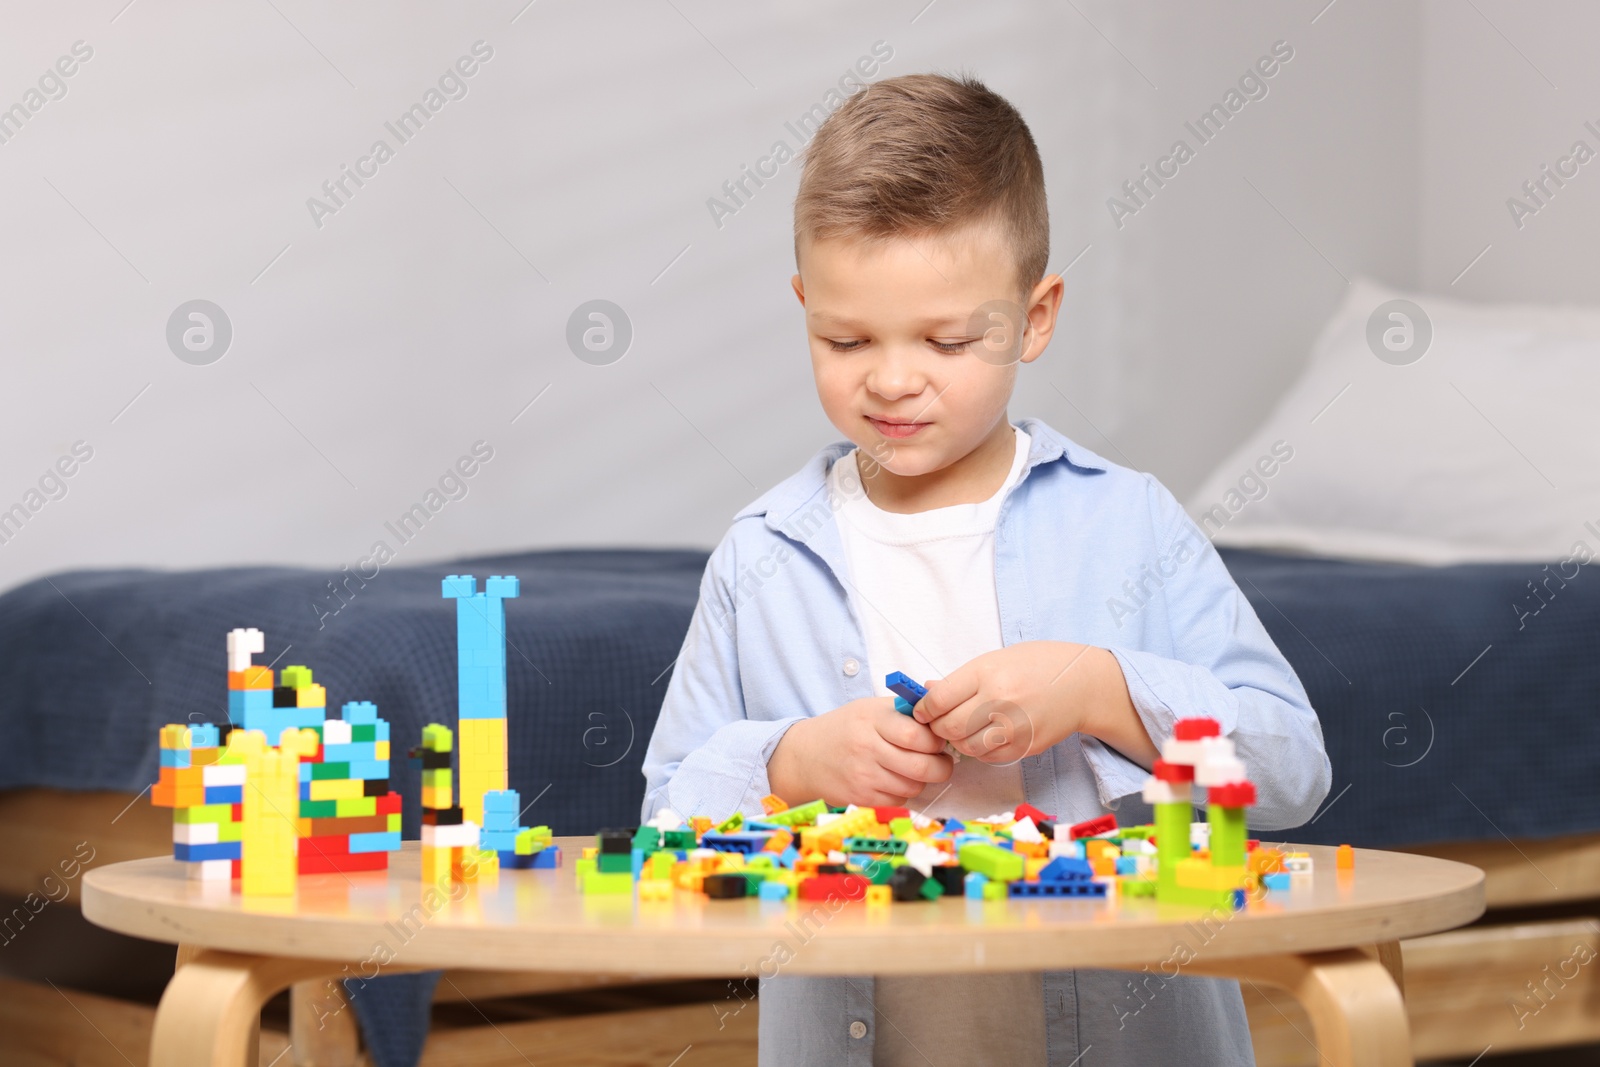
[1198, 754]
[449, 840]
[481, 655]
[342, 811]
[204, 788]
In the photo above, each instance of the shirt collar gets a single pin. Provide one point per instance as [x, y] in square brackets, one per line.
[808, 486]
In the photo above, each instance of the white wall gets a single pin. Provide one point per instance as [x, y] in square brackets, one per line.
[430, 309]
[1506, 92]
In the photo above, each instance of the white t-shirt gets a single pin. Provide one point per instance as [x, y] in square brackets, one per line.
[923, 587]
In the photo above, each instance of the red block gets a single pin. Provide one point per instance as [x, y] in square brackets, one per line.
[1196, 728]
[325, 846]
[238, 813]
[1028, 811]
[885, 814]
[824, 886]
[361, 861]
[388, 804]
[1093, 826]
[1232, 795]
[1172, 772]
[235, 872]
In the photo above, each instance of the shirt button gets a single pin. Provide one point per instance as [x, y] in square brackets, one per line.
[858, 1029]
[852, 668]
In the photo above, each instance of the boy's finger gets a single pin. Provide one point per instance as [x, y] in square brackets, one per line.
[902, 732]
[921, 767]
[945, 694]
[896, 785]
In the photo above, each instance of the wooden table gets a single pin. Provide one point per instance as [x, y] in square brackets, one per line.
[1332, 941]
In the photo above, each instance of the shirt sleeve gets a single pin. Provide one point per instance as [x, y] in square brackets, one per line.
[1225, 666]
[705, 757]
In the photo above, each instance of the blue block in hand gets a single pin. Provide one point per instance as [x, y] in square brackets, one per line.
[908, 691]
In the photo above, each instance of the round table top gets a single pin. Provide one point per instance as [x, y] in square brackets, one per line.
[538, 921]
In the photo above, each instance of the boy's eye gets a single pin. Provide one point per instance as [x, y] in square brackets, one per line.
[951, 347]
[844, 346]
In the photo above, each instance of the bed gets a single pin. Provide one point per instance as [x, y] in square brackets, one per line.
[1450, 730]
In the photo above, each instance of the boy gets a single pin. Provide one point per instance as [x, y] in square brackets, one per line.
[1063, 610]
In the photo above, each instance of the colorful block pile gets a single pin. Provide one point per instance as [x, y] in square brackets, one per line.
[225, 785]
[481, 684]
[884, 855]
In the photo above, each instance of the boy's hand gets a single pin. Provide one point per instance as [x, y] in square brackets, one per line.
[1020, 700]
[863, 752]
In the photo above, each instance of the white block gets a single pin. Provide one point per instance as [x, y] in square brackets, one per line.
[195, 833]
[1181, 752]
[1224, 771]
[1157, 791]
[241, 644]
[223, 774]
[1024, 829]
[463, 835]
[666, 819]
[211, 870]
[335, 732]
[924, 857]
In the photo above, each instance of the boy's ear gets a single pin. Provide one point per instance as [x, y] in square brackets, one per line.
[1043, 305]
[799, 289]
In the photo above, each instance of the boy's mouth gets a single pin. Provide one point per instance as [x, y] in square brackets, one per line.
[897, 428]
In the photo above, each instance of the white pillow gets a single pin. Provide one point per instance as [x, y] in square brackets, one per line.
[1484, 448]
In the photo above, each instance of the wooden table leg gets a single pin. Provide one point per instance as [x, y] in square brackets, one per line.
[322, 1025]
[212, 1006]
[1357, 1013]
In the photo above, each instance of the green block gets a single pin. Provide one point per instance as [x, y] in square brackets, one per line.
[881, 846]
[678, 839]
[1142, 832]
[355, 806]
[437, 737]
[528, 843]
[659, 865]
[804, 814]
[438, 779]
[230, 831]
[731, 824]
[1137, 887]
[878, 871]
[1228, 835]
[992, 861]
[198, 813]
[901, 826]
[366, 731]
[931, 890]
[1172, 841]
[761, 862]
[1199, 898]
[325, 771]
[296, 677]
[393, 825]
[994, 891]
[647, 838]
[615, 863]
[319, 809]
[597, 883]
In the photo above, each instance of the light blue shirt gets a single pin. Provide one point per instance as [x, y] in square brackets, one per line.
[1085, 551]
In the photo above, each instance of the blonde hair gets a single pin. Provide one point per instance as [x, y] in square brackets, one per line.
[922, 154]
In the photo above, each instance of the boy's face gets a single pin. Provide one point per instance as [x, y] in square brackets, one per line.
[910, 363]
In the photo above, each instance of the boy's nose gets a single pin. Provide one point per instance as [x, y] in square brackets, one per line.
[894, 377]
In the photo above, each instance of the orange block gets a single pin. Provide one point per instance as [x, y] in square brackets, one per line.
[183, 777]
[1345, 858]
[250, 678]
[1265, 861]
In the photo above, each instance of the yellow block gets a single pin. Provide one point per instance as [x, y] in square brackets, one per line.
[311, 696]
[380, 750]
[437, 797]
[271, 804]
[1200, 874]
[336, 789]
